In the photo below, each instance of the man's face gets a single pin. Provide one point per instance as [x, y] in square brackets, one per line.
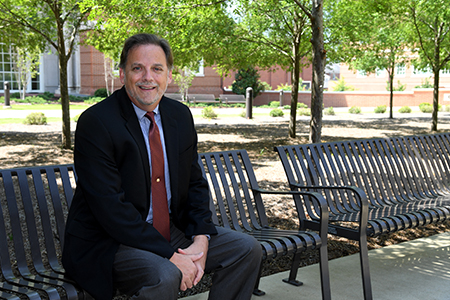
[146, 76]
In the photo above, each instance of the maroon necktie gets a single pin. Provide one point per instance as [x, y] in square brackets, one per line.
[161, 220]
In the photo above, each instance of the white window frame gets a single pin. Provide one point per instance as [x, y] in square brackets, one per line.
[400, 70]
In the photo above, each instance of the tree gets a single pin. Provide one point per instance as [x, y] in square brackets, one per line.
[380, 44]
[245, 78]
[191, 27]
[274, 33]
[430, 22]
[26, 64]
[58, 23]
[183, 78]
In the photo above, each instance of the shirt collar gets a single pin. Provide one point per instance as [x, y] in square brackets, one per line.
[140, 113]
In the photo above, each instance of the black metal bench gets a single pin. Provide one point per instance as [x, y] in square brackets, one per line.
[382, 185]
[34, 206]
[34, 203]
[237, 204]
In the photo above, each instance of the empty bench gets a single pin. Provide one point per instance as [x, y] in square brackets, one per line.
[383, 185]
[175, 96]
[202, 98]
[35, 202]
[231, 99]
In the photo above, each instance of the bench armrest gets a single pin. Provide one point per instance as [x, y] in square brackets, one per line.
[360, 196]
[319, 201]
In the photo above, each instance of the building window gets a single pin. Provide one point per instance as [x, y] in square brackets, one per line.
[422, 73]
[400, 70]
[8, 72]
[445, 72]
[200, 72]
[7, 67]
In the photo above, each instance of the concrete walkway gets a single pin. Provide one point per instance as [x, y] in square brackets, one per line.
[419, 269]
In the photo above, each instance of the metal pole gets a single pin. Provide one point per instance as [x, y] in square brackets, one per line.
[6, 93]
[249, 103]
[281, 98]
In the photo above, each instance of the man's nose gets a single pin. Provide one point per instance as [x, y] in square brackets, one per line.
[148, 75]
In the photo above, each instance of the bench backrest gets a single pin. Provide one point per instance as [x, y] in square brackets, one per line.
[391, 170]
[35, 202]
[230, 176]
[225, 98]
[34, 206]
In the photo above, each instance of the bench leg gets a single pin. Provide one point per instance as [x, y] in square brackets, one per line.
[294, 270]
[365, 270]
[256, 290]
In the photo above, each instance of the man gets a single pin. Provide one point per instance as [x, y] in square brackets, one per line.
[114, 239]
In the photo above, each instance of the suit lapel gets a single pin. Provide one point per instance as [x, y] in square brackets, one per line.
[170, 127]
[133, 126]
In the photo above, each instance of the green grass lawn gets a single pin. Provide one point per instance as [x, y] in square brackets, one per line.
[20, 120]
[34, 107]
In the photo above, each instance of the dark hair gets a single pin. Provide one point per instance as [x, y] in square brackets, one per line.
[145, 39]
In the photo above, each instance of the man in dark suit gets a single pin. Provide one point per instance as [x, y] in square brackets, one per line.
[112, 241]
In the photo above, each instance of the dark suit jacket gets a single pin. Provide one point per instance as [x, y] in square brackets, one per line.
[111, 201]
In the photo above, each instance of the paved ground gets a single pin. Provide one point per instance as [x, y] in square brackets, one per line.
[418, 269]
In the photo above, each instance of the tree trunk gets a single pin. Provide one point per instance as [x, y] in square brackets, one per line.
[64, 89]
[295, 77]
[391, 95]
[435, 100]
[319, 55]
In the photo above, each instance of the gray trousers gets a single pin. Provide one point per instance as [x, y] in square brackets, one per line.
[234, 257]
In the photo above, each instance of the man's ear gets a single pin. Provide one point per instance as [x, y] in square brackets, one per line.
[169, 77]
[122, 76]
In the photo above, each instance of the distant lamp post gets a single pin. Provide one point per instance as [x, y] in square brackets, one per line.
[6, 88]
[249, 102]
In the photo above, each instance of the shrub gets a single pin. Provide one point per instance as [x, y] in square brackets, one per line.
[208, 113]
[101, 92]
[35, 119]
[426, 84]
[405, 110]
[304, 112]
[15, 95]
[47, 95]
[245, 78]
[32, 100]
[399, 88]
[301, 105]
[266, 86]
[355, 110]
[274, 103]
[381, 109]
[287, 107]
[276, 112]
[284, 87]
[75, 119]
[341, 86]
[446, 108]
[329, 111]
[425, 107]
